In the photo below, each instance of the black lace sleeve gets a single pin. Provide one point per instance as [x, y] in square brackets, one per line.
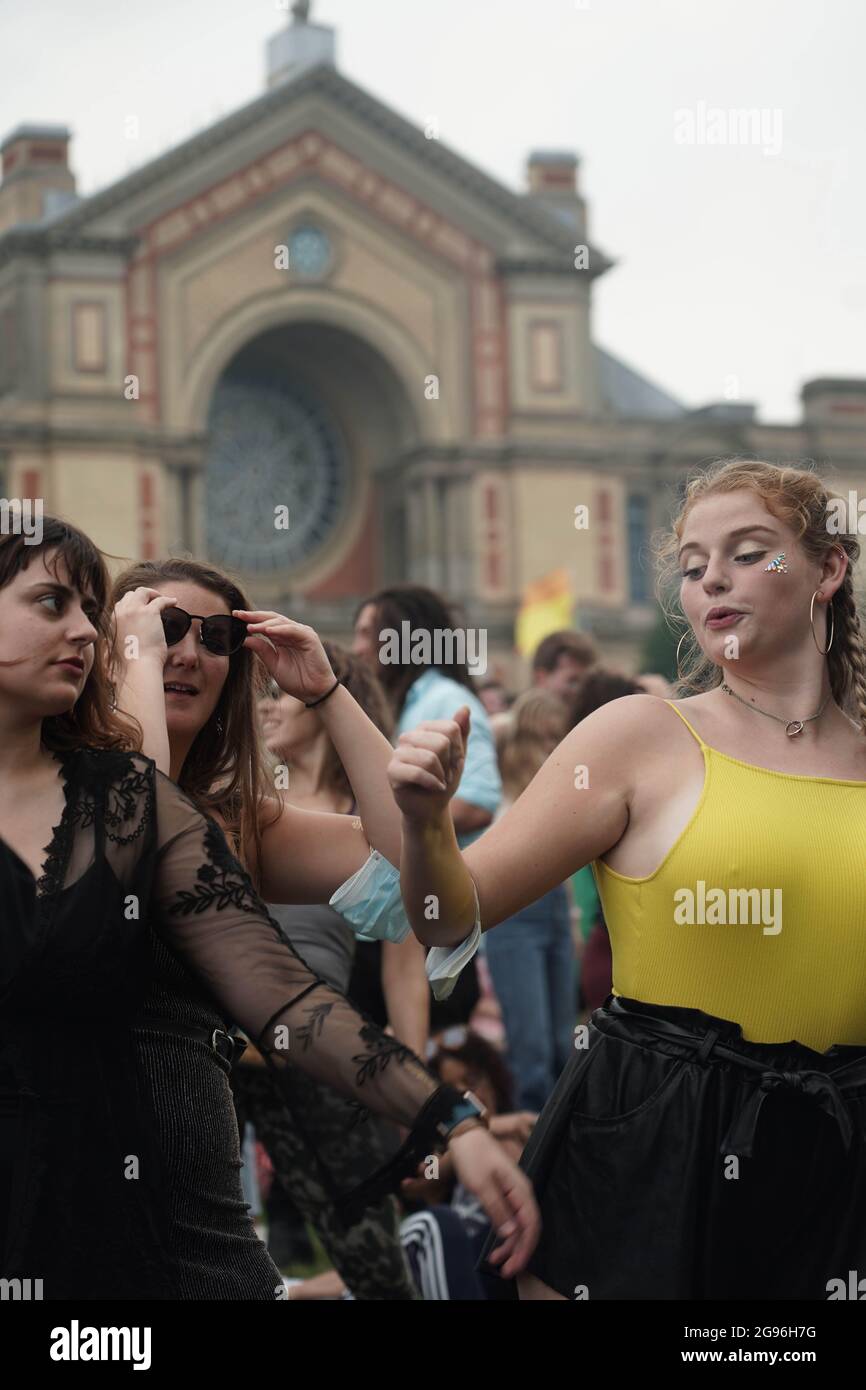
[205, 907]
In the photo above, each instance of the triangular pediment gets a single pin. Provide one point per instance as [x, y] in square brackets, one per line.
[360, 138]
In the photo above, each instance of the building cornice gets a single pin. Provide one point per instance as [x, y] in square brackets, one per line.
[36, 435]
[47, 241]
[508, 266]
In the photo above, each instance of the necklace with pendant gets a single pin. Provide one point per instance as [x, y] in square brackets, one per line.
[792, 726]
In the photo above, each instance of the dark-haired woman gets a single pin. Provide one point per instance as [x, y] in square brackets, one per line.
[411, 640]
[125, 945]
[196, 697]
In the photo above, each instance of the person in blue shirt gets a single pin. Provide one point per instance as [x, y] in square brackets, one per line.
[419, 691]
[409, 636]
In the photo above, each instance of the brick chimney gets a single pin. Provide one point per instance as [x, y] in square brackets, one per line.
[37, 181]
[835, 401]
[552, 179]
[553, 171]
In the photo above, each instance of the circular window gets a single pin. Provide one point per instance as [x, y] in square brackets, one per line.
[277, 476]
[309, 251]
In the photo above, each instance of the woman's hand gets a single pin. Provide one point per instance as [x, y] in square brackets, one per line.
[292, 653]
[425, 770]
[504, 1192]
[138, 616]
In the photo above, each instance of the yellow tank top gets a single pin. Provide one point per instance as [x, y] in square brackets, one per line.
[757, 913]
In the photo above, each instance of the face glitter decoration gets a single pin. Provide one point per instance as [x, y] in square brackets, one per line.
[778, 565]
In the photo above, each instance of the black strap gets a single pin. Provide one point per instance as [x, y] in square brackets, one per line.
[225, 1045]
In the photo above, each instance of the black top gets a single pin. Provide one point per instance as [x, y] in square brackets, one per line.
[119, 1169]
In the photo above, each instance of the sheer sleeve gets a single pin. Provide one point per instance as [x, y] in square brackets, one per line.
[206, 909]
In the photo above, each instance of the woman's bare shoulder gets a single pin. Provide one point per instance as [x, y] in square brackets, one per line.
[625, 735]
[631, 717]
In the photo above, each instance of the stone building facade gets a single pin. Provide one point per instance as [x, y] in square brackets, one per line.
[318, 347]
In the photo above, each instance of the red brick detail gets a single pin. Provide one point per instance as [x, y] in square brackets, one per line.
[49, 154]
[555, 179]
[601, 519]
[31, 483]
[147, 516]
[492, 537]
[356, 574]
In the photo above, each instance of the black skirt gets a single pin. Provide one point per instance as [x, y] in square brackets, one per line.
[676, 1161]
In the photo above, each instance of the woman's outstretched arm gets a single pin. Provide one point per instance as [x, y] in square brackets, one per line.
[574, 809]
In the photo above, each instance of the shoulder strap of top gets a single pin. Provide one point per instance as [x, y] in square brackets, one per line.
[686, 722]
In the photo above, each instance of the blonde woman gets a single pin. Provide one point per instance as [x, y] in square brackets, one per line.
[707, 1138]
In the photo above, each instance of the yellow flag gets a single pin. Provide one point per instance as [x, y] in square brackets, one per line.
[547, 606]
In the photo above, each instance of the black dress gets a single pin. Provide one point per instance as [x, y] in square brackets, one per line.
[119, 1157]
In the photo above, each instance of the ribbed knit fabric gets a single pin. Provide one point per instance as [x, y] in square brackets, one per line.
[785, 965]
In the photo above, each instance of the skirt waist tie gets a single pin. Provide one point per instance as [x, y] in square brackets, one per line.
[740, 1137]
[819, 1085]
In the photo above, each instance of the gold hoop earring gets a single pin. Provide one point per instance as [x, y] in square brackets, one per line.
[812, 623]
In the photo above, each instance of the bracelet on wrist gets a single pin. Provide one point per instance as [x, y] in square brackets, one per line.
[442, 1115]
[311, 704]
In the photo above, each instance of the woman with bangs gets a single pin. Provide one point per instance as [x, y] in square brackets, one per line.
[130, 935]
[707, 1139]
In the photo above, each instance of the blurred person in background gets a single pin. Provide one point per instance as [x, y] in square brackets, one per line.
[596, 963]
[531, 957]
[418, 692]
[654, 684]
[494, 697]
[305, 1127]
[444, 1228]
[560, 663]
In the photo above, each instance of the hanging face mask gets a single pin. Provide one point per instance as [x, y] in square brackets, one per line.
[371, 903]
[444, 963]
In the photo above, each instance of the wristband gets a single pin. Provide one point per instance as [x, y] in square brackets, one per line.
[469, 1107]
[311, 704]
[443, 1110]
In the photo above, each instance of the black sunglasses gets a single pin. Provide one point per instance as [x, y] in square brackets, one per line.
[222, 634]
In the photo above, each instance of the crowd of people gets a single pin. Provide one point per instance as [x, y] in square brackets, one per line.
[265, 851]
[515, 1006]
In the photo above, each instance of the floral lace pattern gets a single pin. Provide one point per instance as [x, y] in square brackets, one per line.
[201, 944]
[221, 883]
[380, 1051]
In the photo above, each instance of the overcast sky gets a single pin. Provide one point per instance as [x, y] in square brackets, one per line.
[740, 266]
